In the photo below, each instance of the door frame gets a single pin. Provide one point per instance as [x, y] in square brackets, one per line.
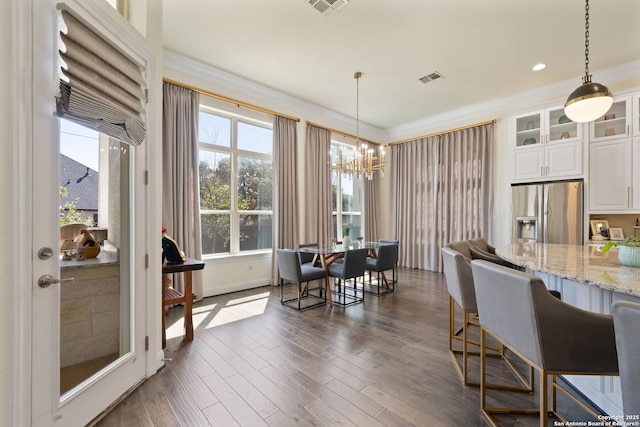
[31, 41]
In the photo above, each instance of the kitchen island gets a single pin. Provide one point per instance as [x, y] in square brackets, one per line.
[589, 279]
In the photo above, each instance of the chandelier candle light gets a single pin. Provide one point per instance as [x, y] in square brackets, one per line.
[591, 100]
[365, 161]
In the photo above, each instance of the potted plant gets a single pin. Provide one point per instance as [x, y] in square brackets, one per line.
[629, 253]
[346, 229]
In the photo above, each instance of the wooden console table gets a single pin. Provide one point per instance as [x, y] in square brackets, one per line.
[171, 296]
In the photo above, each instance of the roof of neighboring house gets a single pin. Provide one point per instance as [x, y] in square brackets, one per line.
[85, 191]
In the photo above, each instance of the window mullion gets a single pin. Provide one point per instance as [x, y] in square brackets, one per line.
[235, 216]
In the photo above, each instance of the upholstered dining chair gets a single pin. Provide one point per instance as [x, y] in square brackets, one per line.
[626, 322]
[459, 280]
[291, 271]
[352, 266]
[307, 258]
[386, 260]
[553, 337]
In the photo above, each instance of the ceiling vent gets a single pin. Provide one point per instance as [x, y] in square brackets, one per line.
[431, 77]
[326, 6]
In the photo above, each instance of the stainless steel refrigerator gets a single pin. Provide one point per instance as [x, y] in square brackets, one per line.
[548, 212]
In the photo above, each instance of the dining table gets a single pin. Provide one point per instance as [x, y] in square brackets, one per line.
[327, 255]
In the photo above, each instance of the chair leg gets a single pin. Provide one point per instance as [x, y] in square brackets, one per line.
[526, 386]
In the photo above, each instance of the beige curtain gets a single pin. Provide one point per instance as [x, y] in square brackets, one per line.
[180, 184]
[318, 207]
[443, 192]
[285, 210]
[371, 207]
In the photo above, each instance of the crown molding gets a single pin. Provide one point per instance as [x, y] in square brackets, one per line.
[271, 97]
[547, 95]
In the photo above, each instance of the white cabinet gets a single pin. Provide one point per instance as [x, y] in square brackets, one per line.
[547, 146]
[635, 111]
[610, 176]
[615, 123]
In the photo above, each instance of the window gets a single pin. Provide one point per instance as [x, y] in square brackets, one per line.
[236, 182]
[346, 197]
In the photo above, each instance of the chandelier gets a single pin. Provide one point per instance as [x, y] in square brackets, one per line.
[364, 161]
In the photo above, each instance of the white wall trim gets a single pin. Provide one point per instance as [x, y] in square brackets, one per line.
[235, 287]
[20, 151]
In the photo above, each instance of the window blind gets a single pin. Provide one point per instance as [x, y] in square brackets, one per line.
[101, 87]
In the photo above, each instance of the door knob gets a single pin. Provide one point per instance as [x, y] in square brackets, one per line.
[47, 280]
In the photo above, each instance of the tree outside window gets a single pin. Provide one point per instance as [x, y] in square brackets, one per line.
[236, 185]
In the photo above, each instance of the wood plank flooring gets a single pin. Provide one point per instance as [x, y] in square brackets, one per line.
[253, 362]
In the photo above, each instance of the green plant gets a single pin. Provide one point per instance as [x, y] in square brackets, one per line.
[629, 241]
[360, 238]
[345, 230]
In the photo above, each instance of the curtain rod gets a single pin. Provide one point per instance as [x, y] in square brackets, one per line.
[230, 100]
[488, 122]
[348, 135]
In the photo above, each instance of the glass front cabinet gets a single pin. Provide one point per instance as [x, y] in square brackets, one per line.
[548, 145]
[615, 123]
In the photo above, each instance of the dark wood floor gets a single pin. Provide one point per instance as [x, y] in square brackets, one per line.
[255, 363]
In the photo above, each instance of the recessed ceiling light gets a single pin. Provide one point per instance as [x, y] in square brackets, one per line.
[539, 67]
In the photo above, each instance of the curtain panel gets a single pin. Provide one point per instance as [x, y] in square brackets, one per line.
[285, 209]
[443, 192]
[318, 205]
[371, 207]
[180, 172]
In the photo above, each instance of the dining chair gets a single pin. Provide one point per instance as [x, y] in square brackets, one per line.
[553, 337]
[626, 318]
[462, 294]
[290, 271]
[386, 260]
[308, 257]
[352, 266]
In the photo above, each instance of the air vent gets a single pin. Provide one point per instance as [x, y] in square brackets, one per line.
[431, 77]
[326, 6]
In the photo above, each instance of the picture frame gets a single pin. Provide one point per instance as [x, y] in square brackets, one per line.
[597, 225]
[616, 233]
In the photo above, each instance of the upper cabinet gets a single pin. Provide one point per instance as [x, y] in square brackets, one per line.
[615, 123]
[547, 146]
[611, 175]
[635, 111]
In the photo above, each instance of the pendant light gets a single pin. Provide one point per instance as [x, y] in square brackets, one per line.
[591, 100]
[365, 161]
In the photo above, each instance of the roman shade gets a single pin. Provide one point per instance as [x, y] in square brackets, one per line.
[101, 86]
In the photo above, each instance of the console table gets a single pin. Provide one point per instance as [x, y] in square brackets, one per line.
[171, 296]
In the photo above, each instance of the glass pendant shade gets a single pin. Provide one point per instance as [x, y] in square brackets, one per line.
[588, 102]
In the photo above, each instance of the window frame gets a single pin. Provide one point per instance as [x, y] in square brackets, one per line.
[235, 154]
[339, 212]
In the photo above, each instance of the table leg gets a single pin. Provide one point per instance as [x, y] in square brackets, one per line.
[323, 261]
[188, 306]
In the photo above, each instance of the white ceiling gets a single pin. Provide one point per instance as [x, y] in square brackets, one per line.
[484, 49]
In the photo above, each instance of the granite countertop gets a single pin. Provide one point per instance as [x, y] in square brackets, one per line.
[582, 264]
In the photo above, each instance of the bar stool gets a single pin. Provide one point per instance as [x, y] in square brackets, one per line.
[459, 279]
[626, 322]
[553, 337]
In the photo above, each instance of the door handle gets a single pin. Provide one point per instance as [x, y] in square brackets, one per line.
[47, 280]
